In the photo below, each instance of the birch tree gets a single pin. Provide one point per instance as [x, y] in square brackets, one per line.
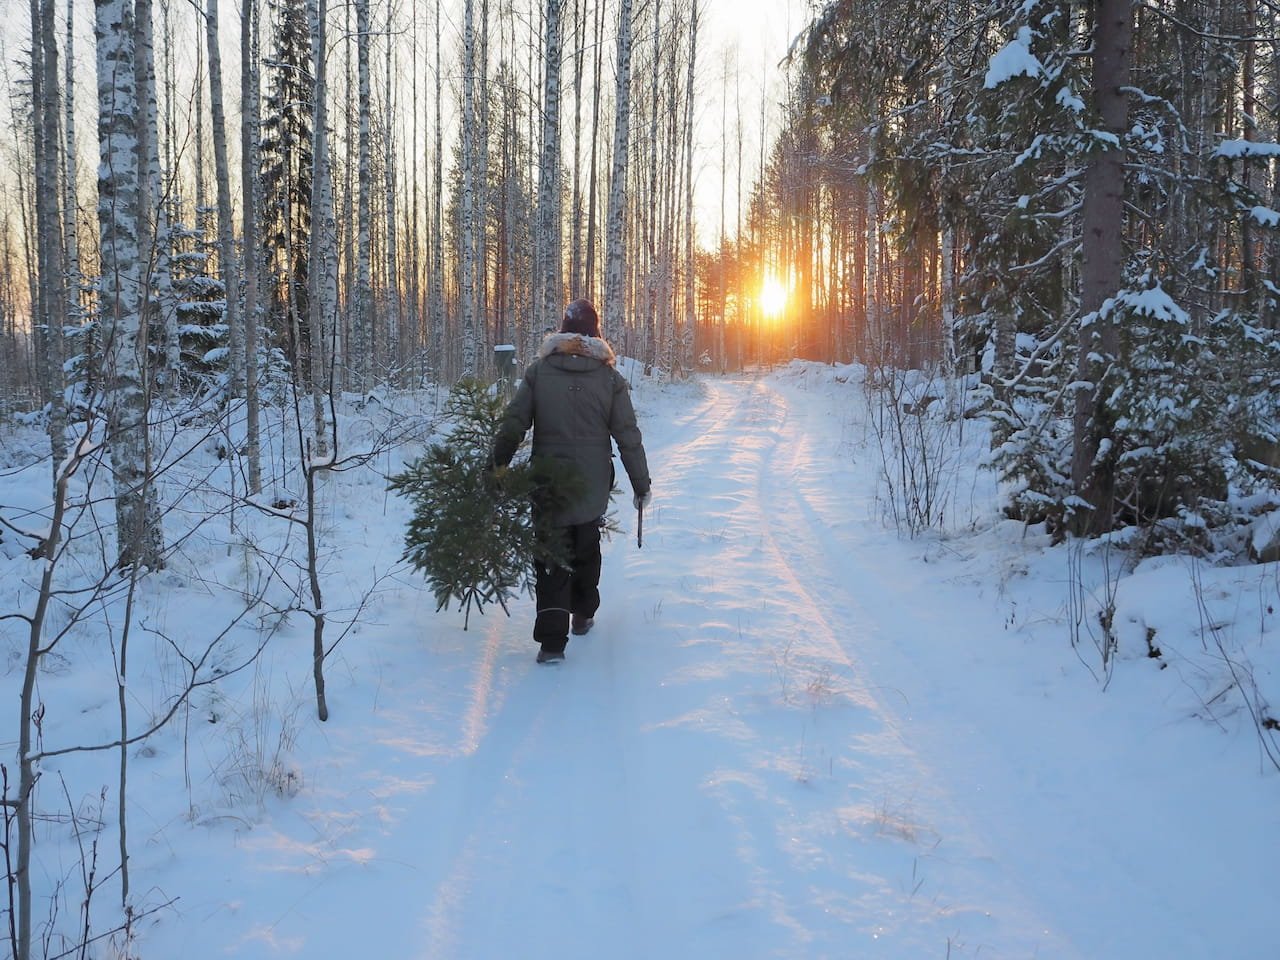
[49, 254]
[547, 242]
[435, 314]
[249, 178]
[70, 177]
[576, 281]
[615, 225]
[154, 236]
[690, 265]
[396, 292]
[362, 319]
[467, 239]
[649, 212]
[480, 181]
[345, 364]
[50, 307]
[227, 264]
[589, 267]
[322, 265]
[138, 528]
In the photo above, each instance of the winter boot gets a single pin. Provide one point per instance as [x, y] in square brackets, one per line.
[550, 654]
[581, 624]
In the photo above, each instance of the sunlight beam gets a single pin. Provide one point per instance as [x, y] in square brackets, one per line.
[773, 297]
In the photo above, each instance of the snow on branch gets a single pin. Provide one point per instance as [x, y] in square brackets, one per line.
[1265, 216]
[1012, 60]
[1153, 303]
[1241, 149]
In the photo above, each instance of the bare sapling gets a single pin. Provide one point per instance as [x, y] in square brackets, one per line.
[69, 597]
[918, 447]
[306, 515]
[1091, 608]
[1243, 677]
[47, 550]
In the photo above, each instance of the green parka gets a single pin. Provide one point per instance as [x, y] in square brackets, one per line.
[577, 402]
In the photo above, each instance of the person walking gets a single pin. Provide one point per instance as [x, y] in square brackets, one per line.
[578, 405]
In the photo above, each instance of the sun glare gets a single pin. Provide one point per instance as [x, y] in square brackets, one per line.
[773, 297]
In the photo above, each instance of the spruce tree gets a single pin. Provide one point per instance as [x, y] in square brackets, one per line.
[477, 530]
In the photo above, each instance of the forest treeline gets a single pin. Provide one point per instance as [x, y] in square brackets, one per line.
[1077, 201]
[1073, 205]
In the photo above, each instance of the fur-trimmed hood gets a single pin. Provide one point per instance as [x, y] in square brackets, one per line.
[577, 345]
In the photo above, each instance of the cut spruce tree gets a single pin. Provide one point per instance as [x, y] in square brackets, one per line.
[477, 531]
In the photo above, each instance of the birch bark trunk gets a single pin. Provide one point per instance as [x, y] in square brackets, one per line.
[138, 528]
[70, 202]
[615, 220]
[250, 173]
[589, 267]
[227, 265]
[548, 240]
[576, 281]
[466, 295]
[395, 320]
[651, 241]
[690, 265]
[363, 313]
[480, 173]
[154, 239]
[322, 273]
[437, 221]
[51, 308]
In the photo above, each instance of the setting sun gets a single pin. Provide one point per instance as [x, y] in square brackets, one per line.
[773, 296]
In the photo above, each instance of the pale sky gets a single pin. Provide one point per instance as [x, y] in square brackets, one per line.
[763, 28]
[758, 33]
[745, 38]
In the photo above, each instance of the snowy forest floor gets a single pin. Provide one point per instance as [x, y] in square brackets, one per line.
[792, 732]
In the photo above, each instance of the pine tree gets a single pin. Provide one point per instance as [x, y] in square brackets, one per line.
[476, 531]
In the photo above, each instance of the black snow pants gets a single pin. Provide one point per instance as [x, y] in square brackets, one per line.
[560, 592]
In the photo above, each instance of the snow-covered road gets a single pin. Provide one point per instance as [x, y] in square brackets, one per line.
[712, 772]
[790, 734]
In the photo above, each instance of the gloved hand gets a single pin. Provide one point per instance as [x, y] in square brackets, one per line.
[641, 500]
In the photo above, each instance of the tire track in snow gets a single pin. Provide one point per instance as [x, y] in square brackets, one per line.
[818, 671]
[757, 619]
[827, 563]
[725, 902]
[519, 846]
[743, 627]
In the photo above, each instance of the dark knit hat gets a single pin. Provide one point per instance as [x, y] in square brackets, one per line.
[580, 317]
